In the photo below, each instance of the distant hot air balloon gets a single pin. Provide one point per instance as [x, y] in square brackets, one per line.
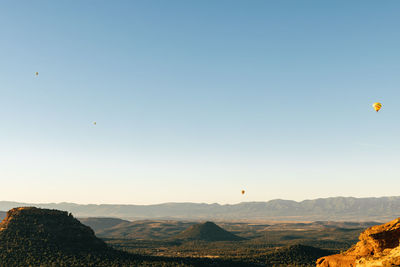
[377, 106]
[36, 74]
[94, 123]
[243, 192]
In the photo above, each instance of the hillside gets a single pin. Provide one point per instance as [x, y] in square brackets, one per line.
[166, 229]
[207, 231]
[337, 208]
[149, 230]
[296, 255]
[41, 237]
[98, 224]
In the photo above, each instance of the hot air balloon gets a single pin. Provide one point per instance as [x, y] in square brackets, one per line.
[36, 74]
[377, 106]
[243, 192]
[94, 123]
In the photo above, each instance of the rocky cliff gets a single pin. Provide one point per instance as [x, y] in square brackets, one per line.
[378, 246]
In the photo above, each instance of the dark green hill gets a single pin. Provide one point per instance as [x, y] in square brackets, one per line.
[207, 231]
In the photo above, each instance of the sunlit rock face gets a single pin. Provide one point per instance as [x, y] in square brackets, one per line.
[378, 246]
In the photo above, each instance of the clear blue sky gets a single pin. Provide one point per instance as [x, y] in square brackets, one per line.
[197, 100]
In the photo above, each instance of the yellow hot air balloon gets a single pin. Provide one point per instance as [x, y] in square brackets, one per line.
[377, 106]
[243, 192]
[95, 123]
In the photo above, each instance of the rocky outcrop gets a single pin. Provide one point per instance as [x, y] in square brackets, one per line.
[378, 246]
[42, 228]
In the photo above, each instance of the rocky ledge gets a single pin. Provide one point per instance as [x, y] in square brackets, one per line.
[378, 246]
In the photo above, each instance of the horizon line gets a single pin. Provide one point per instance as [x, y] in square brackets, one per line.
[204, 203]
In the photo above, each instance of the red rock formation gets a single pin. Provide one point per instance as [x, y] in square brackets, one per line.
[377, 244]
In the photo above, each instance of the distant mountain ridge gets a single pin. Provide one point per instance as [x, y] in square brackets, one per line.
[335, 208]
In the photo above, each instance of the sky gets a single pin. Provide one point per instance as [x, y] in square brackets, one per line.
[196, 100]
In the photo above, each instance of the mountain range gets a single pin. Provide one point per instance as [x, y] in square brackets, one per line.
[335, 208]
